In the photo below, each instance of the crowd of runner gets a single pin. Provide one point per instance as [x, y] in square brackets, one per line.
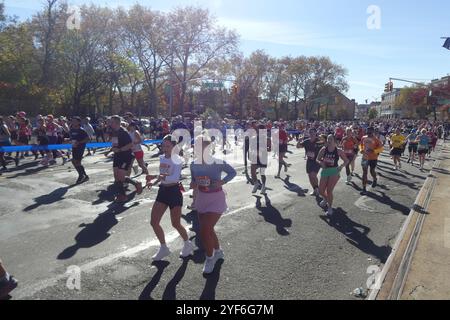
[329, 146]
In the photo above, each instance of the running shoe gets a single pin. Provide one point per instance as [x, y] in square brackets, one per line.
[85, 179]
[349, 179]
[218, 254]
[374, 183]
[135, 169]
[16, 160]
[323, 203]
[210, 263]
[256, 187]
[64, 159]
[8, 286]
[188, 249]
[364, 191]
[263, 189]
[330, 212]
[161, 254]
[80, 178]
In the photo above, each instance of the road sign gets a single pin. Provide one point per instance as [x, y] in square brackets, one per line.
[212, 85]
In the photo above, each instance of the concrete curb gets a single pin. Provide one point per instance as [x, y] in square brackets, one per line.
[399, 260]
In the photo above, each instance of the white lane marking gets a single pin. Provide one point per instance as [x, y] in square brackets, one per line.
[362, 204]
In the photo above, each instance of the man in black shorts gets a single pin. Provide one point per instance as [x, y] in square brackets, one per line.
[79, 138]
[312, 147]
[123, 157]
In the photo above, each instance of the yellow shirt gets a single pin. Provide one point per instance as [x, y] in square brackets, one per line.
[397, 141]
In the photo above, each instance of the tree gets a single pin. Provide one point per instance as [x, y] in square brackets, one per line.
[373, 113]
[199, 44]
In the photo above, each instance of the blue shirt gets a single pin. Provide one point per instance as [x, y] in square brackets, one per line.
[206, 175]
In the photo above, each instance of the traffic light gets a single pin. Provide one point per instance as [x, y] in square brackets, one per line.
[389, 87]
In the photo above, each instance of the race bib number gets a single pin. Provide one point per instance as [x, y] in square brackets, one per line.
[115, 141]
[203, 181]
[164, 169]
[311, 155]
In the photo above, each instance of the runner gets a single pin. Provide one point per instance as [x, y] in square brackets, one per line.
[137, 148]
[90, 132]
[312, 147]
[412, 146]
[283, 141]
[79, 138]
[423, 141]
[328, 159]
[121, 146]
[349, 143]
[210, 202]
[169, 196]
[260, 157]
[370, 147]
[397, 142]
[5, 141]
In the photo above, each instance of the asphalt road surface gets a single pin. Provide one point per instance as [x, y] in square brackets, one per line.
[276, 247]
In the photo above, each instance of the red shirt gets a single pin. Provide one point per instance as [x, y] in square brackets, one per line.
[283, 136]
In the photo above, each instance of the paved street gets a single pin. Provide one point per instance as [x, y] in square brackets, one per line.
[276, 247]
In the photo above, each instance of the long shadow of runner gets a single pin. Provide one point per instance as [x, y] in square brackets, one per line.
[294, 187]
[97, 231]
[408, 184]
[342, 223]
[273, 216]
[212, 280]
[385, 200]
[28, 172]
[171, 288]
[147, 292]
[54, 196]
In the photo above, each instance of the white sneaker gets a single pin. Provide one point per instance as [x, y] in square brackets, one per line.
[330, 212]
[210, 263]
[218, 254]
[188, 249]
[256, 187]
[312, 193]
[263, 189]
[135, 169]
[323, 203]
[349, 178]
[161, 254]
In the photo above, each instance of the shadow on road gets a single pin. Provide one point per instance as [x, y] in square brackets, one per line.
[171, 288]
[342, 223]
[47, 199]
[294, 187]
[147, 292]
[28, 172]
[408, 184]
[96, 232]
[384, 199]
[209, 292]
[273, 216]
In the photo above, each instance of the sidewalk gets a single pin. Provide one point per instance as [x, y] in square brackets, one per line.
[419, 268]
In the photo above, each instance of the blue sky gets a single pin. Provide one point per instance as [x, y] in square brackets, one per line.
[408, 45]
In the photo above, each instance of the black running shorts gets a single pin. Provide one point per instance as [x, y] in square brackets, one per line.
[170, 196]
